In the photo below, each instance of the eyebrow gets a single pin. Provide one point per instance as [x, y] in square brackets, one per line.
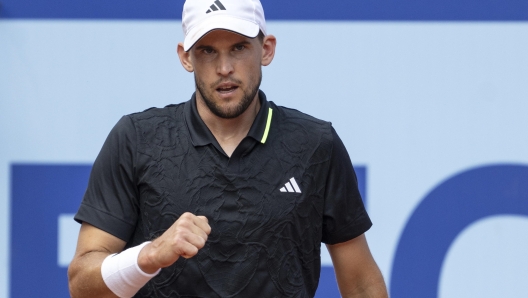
[245, 42]
[201, 47]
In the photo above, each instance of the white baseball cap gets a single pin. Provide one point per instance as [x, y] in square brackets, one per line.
[199, 17]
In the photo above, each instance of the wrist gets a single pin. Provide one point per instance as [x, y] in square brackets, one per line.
[146, 259]
[122, 274]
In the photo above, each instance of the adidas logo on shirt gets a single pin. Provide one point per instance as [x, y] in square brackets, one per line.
[217, 5]
[291, 186]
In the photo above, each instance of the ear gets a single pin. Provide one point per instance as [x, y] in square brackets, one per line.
[268, 49]
[185, 58]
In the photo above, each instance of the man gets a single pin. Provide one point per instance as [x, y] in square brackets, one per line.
[226, 195]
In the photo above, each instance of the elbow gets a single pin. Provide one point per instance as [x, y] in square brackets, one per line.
[73, 279]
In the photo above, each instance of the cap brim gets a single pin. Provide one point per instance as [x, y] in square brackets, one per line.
[240, 26]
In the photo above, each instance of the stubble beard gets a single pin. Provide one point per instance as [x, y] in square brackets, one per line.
[229, 113]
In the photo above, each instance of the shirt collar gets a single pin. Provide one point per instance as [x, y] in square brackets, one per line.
[201, 135]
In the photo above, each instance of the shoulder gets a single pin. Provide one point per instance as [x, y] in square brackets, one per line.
[297, 123]
[153, 119]
[159, 126]
[289, 116]
[138, 128]
[155, 114]
[296, 133]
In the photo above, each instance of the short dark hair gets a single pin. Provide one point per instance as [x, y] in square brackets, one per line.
[260, 36]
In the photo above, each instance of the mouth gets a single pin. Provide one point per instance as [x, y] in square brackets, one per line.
[226, 88]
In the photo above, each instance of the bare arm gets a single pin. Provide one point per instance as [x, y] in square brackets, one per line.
[356, 271]
[184, 238]
[84, 273]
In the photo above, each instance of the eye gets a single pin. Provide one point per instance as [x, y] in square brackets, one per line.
[207, 50]
[239, 47]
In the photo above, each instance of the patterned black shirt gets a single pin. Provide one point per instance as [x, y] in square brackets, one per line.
[287, 187]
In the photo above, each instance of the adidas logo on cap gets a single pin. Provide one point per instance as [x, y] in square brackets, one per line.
[217, 5]
[199, 17]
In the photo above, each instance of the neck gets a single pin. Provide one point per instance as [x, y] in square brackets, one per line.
[228, 132]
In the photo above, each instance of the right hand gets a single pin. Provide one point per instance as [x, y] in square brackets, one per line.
[184, 238]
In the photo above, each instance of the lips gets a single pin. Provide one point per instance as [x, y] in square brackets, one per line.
[226, 87]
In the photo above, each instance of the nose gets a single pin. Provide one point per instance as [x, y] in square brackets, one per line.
[225, 65]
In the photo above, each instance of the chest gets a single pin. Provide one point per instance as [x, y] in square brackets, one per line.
[249, 199]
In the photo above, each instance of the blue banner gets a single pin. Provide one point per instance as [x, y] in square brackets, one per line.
[328, 10]
[40, 194]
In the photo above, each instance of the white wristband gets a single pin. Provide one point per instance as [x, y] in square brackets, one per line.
[121, 272]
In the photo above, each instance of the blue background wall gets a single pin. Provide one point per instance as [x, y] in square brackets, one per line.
[430, 99]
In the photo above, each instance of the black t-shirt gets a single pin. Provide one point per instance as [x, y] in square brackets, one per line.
[287, 187]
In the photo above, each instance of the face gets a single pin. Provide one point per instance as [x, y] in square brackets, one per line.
[227, 70]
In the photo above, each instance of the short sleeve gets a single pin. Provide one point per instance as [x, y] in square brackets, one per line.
[344, 215]
[111, 199]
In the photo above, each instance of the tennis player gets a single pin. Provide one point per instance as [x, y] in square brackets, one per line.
[226, 194]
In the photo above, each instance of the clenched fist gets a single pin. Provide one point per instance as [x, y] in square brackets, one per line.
[184, 238]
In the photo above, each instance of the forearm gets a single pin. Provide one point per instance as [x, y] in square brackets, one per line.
[371, 289]
[366, 284]
[357, 273]
[85, 279]
[129, 270]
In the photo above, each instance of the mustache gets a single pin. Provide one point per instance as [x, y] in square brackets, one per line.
[228, 80]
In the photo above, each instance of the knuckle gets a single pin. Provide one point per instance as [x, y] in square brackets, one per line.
[190, 252]
[179, 238]
[187, 215]
[184, 223]
[201, 243]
